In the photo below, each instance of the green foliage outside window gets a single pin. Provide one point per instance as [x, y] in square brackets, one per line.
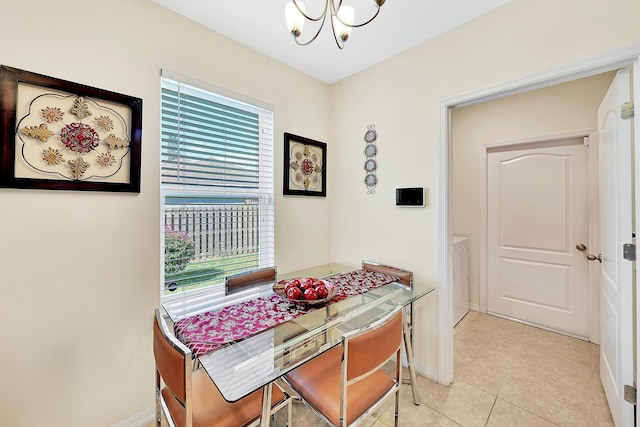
[179, 249]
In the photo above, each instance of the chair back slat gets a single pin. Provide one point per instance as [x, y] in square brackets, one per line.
[240, 281]
[404, 277]
[172, 359]
[369, 349]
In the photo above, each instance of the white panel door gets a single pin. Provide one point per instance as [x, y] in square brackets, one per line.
[616, 315]
[537, 213]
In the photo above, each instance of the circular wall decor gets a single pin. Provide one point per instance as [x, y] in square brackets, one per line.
[370, 150]
[370, 135]
[371, 181]
[370, 165]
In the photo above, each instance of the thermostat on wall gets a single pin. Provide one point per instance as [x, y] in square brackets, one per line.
[410, 196]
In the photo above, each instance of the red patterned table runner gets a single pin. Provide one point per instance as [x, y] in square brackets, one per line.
[208, 331]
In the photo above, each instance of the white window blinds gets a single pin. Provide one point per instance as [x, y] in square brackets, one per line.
[217, 188]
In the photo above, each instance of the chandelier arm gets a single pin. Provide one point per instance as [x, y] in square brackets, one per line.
[332, 8]
[321, 17]
[297, 40]
[358, 25]
[335, 36]
[312, 39]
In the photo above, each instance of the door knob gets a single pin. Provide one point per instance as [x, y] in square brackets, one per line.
[592, 257]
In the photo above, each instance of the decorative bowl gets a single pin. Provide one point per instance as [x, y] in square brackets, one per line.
[280, 289]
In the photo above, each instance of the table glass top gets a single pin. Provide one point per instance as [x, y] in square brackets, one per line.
[239, 368]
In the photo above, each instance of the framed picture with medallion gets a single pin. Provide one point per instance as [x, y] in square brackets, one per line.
[305, 161]
[60, 135]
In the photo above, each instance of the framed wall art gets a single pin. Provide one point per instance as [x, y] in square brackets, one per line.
[305, 161]
[55, 134]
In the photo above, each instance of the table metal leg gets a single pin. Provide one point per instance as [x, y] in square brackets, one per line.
[412, 371]
[265, 419]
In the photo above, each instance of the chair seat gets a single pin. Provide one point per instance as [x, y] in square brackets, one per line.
[210, 408]
[322, 378]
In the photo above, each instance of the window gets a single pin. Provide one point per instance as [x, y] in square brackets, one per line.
[217, 191]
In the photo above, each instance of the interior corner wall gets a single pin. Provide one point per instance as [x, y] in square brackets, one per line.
[554, 110]
[401, 96]
[80, 271]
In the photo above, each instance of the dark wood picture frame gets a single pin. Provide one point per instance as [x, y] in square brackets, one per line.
[305, 166]
[117, 133]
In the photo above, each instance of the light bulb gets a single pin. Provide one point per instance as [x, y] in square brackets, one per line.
[295, 19]
[347, 15]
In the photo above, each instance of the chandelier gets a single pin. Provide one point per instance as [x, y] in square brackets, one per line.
[342, 20]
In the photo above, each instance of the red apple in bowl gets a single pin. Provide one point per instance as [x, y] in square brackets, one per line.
[322, 291]
[310, 294]
[294, 293]
[306, 284]
[290, 285]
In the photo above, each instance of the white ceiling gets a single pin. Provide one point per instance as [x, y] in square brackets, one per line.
[401, 24]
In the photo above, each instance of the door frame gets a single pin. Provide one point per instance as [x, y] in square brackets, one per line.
[607, 61]
[483, 217]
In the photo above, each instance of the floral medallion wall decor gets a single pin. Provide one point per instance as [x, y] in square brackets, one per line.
[305, 162]
[57, 134]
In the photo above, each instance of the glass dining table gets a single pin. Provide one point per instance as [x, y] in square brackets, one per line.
[244, 366]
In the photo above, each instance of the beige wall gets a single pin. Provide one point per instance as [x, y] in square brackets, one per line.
[401, 97]
[80, 271]
[550, 111]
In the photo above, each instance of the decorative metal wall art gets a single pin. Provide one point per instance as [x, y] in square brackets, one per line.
[57, 134]
[305, 161]
[370, 165]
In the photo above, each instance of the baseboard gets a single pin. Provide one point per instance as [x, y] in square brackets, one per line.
[474, 307]
[141, 419]
[426, 371]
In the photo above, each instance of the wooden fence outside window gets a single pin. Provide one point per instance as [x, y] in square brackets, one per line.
[217, 230]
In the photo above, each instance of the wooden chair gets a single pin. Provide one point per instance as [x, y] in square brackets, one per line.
[190, 399]
[249, 279]
[404, 277]
[344, 384]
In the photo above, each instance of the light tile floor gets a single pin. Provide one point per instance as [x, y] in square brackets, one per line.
[522, 376]
[505, 374]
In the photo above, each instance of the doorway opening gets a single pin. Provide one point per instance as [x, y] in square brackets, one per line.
[588, 67]
[557, 115]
